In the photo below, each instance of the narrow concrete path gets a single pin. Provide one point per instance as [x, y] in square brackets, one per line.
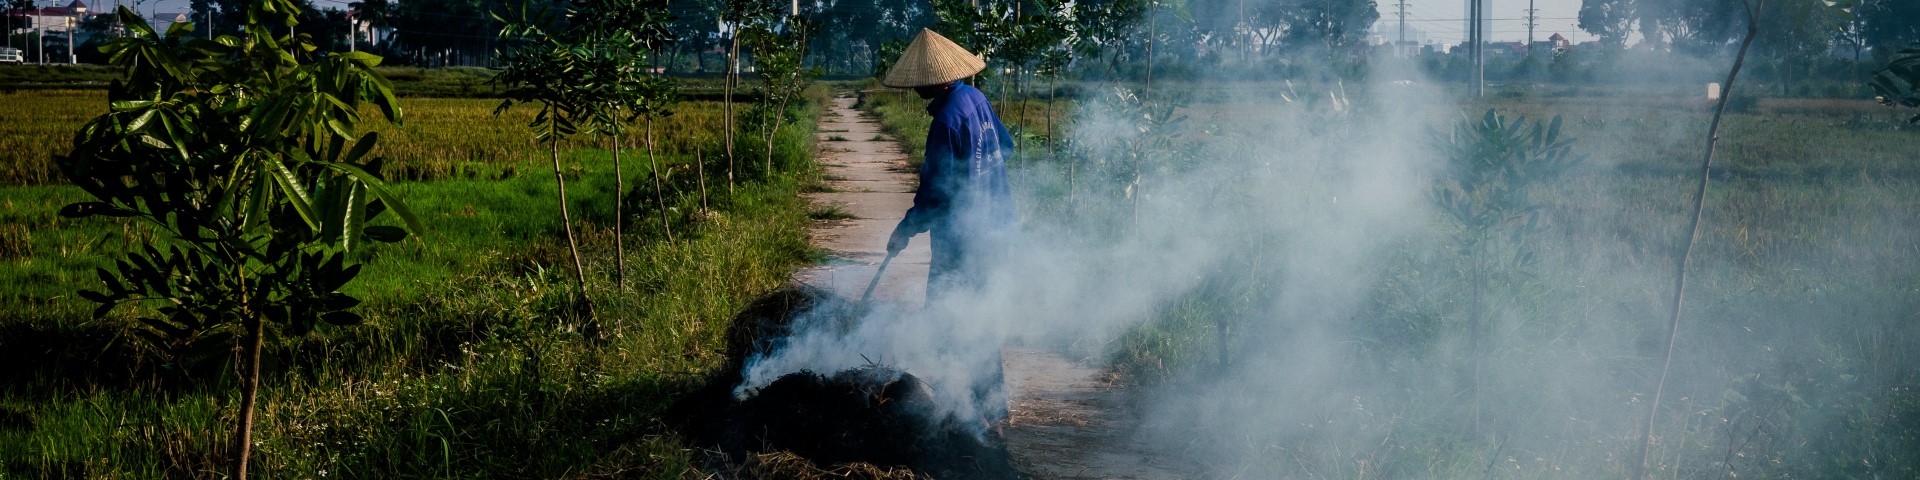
[1067, 421]
[869, 178]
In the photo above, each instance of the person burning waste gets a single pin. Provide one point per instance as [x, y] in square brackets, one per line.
[964, 202]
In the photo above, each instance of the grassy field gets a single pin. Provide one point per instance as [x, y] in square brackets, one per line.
[1324, 334]
[462, 369]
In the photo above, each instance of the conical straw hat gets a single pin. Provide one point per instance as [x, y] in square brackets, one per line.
[932, 60]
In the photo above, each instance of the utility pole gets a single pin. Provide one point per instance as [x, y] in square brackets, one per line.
[1478, 36]
[1400, 48]
[73, 22]
[40, 32]
[1533, 20]
[1246, 37]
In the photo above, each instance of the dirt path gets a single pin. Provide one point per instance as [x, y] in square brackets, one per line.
[1067, 421]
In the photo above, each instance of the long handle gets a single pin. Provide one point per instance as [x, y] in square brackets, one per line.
[864, 297]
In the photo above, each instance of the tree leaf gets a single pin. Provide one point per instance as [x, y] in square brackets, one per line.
[378, 188]
[296, 193]
[385, 233]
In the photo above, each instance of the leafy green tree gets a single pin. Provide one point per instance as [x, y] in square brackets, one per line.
[779, 45]
[244, 151]
[544, 67]
[694, 27]
[452, 32]
[856, 29]
[1101, 27]
[1328, 27]
[616, 37]
[1888, 25]
[736, 15]
[1493, 164]
[1611, 20]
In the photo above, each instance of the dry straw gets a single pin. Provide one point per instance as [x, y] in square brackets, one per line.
[786, 465]
[932, 60]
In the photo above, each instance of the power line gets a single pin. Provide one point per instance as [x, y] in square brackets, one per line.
[1533, 20]
[1492, 19]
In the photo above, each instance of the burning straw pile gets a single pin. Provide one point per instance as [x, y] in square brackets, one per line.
[867, 422]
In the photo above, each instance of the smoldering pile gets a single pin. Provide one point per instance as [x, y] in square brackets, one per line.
[866, 420]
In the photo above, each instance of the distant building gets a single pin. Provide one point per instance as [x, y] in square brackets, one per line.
[1511, 49]
[364, 31]
[163, 21]
[51, 19]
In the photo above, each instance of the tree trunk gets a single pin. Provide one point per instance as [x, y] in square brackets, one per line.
[726, 135]
[1475, 312]
[566, 224]
[619, 219]
[1139, 188]
[659, 191]
[700, 168]
[779, 117]
[1051, 142]
[1693, 232]
[250, 389]
[1153, 30]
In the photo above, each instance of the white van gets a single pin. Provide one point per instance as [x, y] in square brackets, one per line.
[10, 55]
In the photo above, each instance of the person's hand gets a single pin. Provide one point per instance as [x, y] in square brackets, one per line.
[898, 241]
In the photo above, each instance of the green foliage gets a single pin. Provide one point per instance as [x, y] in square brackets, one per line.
[587, 69]
[779, 45]
[1492, 164]
[1491, 167]
[460, 369]
[239, 153]
[1146, 139]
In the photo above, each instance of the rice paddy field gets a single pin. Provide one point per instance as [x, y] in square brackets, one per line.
[461, 369]
[1795, 358]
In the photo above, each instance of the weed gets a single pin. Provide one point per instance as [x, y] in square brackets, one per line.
[830, 212]
[15, 242]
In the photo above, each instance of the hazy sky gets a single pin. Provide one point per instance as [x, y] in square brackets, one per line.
[1442, 20]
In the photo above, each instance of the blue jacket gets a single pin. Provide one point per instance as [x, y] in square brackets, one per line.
[964, 196]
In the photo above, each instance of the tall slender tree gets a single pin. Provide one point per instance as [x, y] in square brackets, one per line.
[542, 69]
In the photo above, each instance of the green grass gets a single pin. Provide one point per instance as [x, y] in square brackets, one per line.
[468, 366]
[902, 114]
